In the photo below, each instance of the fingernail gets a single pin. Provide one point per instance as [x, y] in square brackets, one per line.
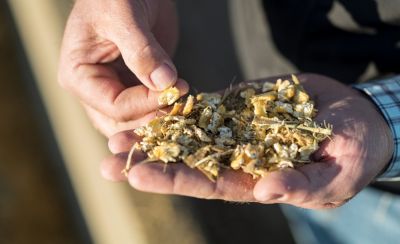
[182, 86]
[163, 77]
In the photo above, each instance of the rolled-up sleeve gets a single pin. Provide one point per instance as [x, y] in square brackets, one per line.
[385, 94]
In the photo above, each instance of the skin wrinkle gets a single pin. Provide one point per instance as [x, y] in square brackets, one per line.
[109, 95]
[328, 195]
[172, 174]
[85, 38]
[110, 53]
[225, 182]
[203, 192]
[352, 166]
[113, 126]
[122, 105]
[148, 95]
[370, 146]
[215, 192]
[138, 54]
[307, 197]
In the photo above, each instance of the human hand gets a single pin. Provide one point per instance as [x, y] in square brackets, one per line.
[115, 58]
[360, 148]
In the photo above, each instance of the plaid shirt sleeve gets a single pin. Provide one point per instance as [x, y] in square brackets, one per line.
[386, 95]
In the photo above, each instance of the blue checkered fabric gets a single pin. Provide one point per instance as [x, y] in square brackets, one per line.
[386, 95]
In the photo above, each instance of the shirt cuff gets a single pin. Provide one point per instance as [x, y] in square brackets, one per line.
[386, 95]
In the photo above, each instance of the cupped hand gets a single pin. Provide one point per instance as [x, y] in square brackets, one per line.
[358, 151]
[115, 58]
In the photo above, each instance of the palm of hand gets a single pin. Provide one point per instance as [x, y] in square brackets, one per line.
[359, 149]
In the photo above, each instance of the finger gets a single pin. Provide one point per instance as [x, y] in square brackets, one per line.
[99, 87]
[182, 180]
[122, 141]
[143, 54]
[309, 186]
[109, 127]
[111, 168]
[177, 178]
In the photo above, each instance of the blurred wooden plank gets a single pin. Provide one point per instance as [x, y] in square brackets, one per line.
[35, 204]
[108, 208]
[256, 51]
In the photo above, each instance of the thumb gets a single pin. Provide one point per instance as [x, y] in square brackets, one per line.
[145, 57]
[309, 186]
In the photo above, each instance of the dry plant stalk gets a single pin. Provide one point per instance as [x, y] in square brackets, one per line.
[255, 128]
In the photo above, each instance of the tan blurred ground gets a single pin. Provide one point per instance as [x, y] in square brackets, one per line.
[33, 208]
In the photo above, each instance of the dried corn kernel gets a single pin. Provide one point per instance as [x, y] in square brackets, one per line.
[169, 96]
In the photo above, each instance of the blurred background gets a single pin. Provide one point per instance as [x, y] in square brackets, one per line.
[50, 186]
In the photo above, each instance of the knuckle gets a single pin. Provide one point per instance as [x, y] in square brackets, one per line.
[140, 54]
[144, 52]
[214, 193]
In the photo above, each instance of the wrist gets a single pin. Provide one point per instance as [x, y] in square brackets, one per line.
[384, 94]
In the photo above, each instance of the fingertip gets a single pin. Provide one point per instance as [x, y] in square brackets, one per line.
[111, 168]
[150, 177]
[182, 86]
[122, 141]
